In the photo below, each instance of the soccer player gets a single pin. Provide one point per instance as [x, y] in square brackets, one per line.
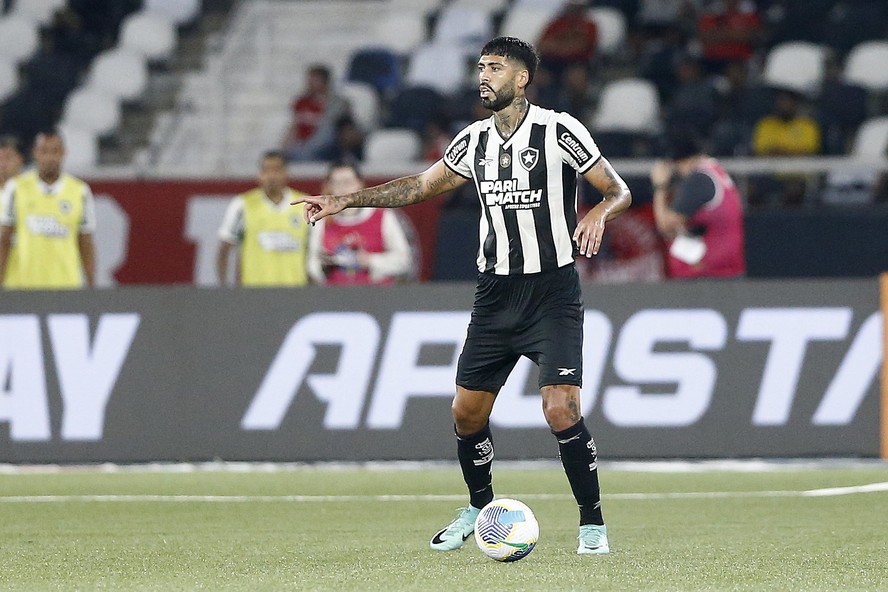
[52, 216]
[524, 162]
[273, 239]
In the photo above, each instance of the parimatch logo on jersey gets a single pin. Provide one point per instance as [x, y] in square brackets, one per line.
[506, 194]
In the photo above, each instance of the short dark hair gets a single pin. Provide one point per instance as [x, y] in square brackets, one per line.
[517, 49]
[273, 154]
[344, 164]
[10, 142]
[682, 143]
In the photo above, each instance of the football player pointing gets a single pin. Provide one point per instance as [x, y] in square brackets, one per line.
[524, 161]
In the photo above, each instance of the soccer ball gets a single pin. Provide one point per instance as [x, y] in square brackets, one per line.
[506, 530]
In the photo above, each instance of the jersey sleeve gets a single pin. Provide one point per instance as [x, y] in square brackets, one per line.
[456, 157]
[577, 147]
[7, 204]
[232, 229]
[693, 193]
[88, 220]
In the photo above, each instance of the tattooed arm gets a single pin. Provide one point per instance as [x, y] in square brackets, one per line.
[617, 198]
[435, 180]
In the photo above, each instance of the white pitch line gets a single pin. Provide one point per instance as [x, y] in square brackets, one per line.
[639, 496]
[870, 488]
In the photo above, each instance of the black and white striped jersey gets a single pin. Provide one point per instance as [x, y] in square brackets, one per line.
[527, 185]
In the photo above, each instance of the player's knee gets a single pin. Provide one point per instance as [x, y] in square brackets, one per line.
[467, 418]
[560, 409]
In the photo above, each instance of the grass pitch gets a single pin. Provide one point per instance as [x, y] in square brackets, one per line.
[359, 528]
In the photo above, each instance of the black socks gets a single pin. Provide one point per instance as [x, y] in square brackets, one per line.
[475, 453]
[580, 460]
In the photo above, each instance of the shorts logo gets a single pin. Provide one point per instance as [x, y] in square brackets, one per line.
[566, 371]
[528, 158]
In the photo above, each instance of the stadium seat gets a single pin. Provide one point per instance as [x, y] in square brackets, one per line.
[414, 106]
[363, 103]
[554, 5]
[119, 72]
[871, 141]
[867, 66]
[797, 66]
[528, 19]
[463, 23]
[400, 31]
[387, 146]
[150, 34]
[81, 149]
[378, 67]
[180, 12]
[8, 79]
[611, 25]
[628, 105]
[424, 6]
[39, 12]
[91, 110]
[442, 66]
[20, 38]
[488, 5]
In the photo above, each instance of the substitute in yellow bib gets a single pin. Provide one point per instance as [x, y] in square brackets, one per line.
[51, 216]
[272, 235]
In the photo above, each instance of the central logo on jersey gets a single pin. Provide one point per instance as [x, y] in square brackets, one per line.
[506, 194]
[528, 158]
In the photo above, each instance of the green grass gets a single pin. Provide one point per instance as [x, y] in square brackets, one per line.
[741, 541]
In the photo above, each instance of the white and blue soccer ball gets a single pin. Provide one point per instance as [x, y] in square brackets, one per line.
[506, 530]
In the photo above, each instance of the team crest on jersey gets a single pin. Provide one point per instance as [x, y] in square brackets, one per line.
[64, 206]
[505, 159]
[528, 158]
[296, 220]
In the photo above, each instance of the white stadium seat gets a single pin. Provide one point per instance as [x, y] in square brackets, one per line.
[628, 105]
[180, 12]
[40, 12]
[400, 31]
[488, 5]
[8, 79]
[462, 23]
[387, 146]
[19, 38]
[796, 65]
[527, 21]
[81, 149]
[871, 141]
[119, 72]
[363, 103]
[867, 66]
[150, 34]
[442, 66]
[611, 24]
[91, 110]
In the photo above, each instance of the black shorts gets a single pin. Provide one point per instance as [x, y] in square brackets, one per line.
[539, 316]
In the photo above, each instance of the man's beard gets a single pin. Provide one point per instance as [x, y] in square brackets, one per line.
[500, 100]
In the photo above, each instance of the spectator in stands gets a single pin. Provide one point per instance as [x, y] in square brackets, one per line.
[11, 163]
[785, 132]
[729, 31]
[357, 245]
[698, 210]
[11, 160]
[694, 101]
[570, 38]
[272, 237]
[347, 143]
[574, 95]
[51, 216]
[315, 113]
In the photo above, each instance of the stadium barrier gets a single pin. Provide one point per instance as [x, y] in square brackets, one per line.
[710, 369]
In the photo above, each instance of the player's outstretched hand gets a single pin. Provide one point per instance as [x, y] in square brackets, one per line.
[319, 206]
